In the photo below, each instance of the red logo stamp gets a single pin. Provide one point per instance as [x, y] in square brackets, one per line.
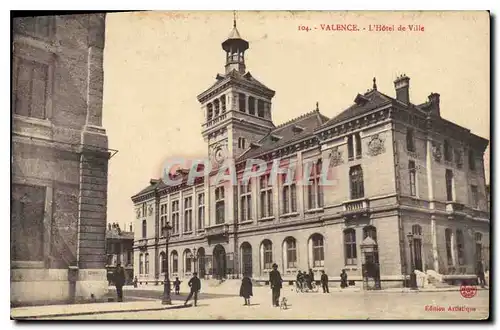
[468, 291]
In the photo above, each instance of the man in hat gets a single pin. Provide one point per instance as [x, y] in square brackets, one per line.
[119, 280]
[195, 285]
[275, 281]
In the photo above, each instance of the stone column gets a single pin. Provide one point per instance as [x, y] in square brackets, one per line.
[430, 185]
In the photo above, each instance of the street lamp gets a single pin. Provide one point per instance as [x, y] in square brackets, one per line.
[413, 276]
[194, 259]
[166, 283]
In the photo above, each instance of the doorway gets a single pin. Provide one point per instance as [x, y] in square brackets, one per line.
[219, 263]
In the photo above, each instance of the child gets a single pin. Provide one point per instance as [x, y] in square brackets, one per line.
[246, 289]
[177, 286]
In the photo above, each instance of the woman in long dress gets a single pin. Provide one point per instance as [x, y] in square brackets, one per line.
[246, 289]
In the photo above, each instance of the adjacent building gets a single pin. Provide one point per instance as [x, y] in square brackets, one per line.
[59, 159]
[119, 250]
[399, 167]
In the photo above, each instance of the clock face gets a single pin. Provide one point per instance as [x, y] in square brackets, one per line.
[219, 155]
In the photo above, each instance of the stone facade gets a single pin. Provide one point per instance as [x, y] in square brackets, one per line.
[397, 168]
[59, 159]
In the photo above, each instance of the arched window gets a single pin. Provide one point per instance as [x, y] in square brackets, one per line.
[188, 256]
[370, 231]
[318, 251]
[141, 263]
[449, 250]
[246, 259]
[291, 252]
[144, 228]
[223, 103]
[416, 230]
[356, 181]
[175, 262]
[163, 262]
[350, 247]
[146, 263]
[460, 247]
[267, 254]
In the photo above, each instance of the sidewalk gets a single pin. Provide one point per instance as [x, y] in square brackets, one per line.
[52, 311]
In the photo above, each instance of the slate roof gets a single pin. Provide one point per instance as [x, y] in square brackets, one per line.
[237, 76]
[374, 99]
[293, 130]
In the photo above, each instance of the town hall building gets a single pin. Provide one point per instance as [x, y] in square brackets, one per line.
[410, 190]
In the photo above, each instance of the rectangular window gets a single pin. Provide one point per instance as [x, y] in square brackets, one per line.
[260, 108]
[413, 179]
[242, 102]
[460, 247]
[448, 152]
[251, 105]
[163, 216]
[30, 90]
[266, 197]
[449, 253]
[315, 189]
[268, 256]
[356, 182]
[350, 247]
[357, 140]
[27, 214]
[410, 140]
[472, 160]
[449, 185]
[175, 217]
[291, 254]
[246, 202]
[350, 148]
[188, 214]
[201, 211]
[475, 196]
[219, 205]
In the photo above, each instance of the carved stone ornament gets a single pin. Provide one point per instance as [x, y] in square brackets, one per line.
[436, 151]
[138, 213]
[376, 146]
[336, 157]
[150, 210]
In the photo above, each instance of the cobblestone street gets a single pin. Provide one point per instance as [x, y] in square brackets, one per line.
[336, 305]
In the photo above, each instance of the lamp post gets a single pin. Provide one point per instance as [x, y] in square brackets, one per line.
[413, 277]
[166, 283]
[194, 259]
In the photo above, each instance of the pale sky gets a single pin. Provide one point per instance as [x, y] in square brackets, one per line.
[156, 63]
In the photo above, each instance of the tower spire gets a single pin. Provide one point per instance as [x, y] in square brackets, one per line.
[234, 18]
[374, 83]
[235, 48]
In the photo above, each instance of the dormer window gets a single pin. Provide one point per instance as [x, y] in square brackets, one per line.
[360, 100]
[275, 138]
[297, 129]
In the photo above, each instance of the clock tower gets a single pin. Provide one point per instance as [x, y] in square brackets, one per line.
[237, 107]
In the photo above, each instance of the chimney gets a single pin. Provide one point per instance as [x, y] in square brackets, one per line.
[402, 86]
[434, 102]
[131, 227]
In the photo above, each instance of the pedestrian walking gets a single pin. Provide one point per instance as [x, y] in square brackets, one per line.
[324, 282]
[246, 289]
[275, 281]
[311, 277]
[343, 279]
[135, 282]
[119, 279]
[480, 274]
[195, 285]
[177, 286]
